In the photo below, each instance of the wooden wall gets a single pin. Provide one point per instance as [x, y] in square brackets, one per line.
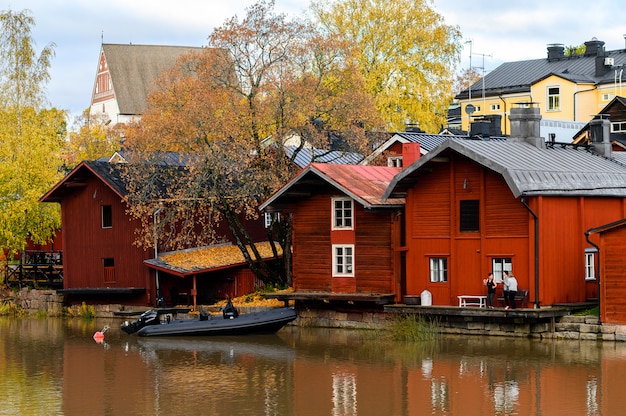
[312, 253]
[86, 243]
[613, 276]
[507, 230]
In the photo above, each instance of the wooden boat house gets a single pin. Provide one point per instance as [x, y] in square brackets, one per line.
[520, 204]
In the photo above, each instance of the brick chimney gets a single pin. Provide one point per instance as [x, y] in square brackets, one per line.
[410, 153]
[525, 120]
[599, 128]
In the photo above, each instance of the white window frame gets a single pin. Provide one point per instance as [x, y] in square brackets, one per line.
[553, 99]
[343, 260]
[438, 269]
[268, 217]
[618, 127]
[607, 96]
[499, 265]
[347, 205]
[494, 107]
[590, 263]
[106, 218]
[394, 161]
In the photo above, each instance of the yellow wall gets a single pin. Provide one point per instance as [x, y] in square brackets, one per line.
[579, 102]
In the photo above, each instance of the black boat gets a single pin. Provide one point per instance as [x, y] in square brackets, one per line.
[150, 323]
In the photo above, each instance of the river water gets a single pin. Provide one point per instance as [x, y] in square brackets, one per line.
[55, 367]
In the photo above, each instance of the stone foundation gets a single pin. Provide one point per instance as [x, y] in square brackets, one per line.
[35, 300]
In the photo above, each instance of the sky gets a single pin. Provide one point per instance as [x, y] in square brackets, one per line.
[495, 31]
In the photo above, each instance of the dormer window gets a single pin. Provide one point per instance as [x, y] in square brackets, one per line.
[342, 214]
[394, 161]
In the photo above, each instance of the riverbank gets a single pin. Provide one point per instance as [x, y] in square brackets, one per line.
[557, 323]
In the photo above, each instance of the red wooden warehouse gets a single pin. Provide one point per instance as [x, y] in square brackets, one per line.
[343, 233]
[520, 204]
[100, 262]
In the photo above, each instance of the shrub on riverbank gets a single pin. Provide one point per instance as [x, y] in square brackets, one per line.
[413, 327]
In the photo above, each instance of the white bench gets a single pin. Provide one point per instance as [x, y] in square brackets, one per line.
[472, 300]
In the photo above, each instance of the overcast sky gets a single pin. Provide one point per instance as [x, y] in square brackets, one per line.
[500, 31]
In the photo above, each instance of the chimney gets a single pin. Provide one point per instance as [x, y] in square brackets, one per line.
[410, 153]
[594, 47]
[556, 51]
[525, 121]
[599, 128]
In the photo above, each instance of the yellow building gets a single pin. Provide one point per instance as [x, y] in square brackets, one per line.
[568, 90]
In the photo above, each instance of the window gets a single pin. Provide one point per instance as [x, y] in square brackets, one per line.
[270, 217]
[494, 107]
[394, 161]
[343, 260]
[438, 269]
[607, 96]
[554, 98]
[342, 213]
[590, 264]
[469, 218]
[499, 265]
[618, 127]
[107, 216]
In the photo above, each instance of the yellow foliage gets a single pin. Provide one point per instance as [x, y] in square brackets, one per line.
[216, 256]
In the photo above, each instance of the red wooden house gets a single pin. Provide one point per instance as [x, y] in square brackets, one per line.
[101, 262]
[343, 233]
[610, 241]
[520, 204]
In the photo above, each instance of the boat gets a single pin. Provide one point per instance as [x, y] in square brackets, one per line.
[153, 323]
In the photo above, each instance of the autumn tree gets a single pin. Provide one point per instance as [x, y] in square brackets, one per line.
[405, 52]
[466, 79]
[228, 112]
[91, 138]
[31, 136]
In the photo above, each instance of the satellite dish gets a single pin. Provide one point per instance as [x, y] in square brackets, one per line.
[469, 109]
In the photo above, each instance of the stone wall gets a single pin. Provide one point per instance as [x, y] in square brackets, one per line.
[35, 300]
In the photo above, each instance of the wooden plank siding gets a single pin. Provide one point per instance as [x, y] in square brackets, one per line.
[613, 271]
[507, 230]
[312, 252]
[86, 243]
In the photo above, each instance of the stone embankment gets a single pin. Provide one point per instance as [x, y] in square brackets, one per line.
[37, 301]
[588, 328]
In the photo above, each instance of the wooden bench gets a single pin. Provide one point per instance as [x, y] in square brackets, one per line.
[521, 298]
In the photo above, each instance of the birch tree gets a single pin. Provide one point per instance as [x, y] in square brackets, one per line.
[405, 52]
[31, 136]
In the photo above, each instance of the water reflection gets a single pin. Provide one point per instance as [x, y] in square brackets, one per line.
[54, 367]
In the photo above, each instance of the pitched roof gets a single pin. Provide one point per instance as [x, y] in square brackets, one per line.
[364, 184]
[518, 76]
[206, 259]
[307, 155]
[134, 69]
[528, 170]
[106, 172]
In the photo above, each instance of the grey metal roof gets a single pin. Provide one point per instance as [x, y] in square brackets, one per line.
[518, 76]
[308, 155]
[529, 170]
[134, 68]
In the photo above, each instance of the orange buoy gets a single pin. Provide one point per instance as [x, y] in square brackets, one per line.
[99, 335]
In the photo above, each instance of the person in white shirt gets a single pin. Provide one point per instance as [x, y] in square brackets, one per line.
[510, 284]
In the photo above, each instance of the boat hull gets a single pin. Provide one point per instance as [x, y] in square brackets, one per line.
[269, 321]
